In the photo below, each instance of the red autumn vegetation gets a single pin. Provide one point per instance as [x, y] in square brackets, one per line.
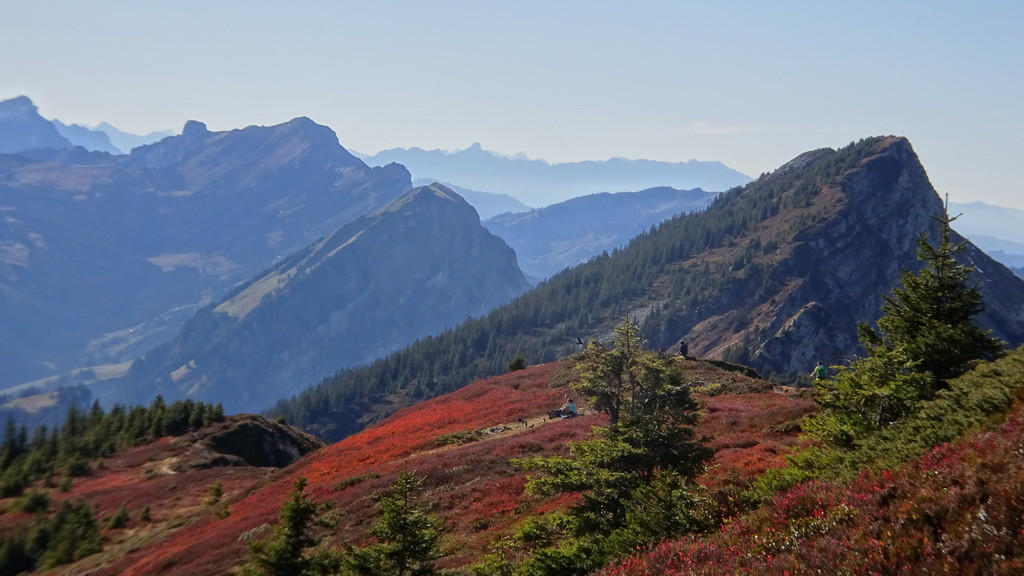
[956, 510]
[461, 444]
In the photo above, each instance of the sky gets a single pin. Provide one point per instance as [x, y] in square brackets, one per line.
[750, 84]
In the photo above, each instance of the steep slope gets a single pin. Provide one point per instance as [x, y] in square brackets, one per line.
[419, 265]
[538, 183]
[561, 235]
[955, 509]
[776, 274]
[802, 279]
[102, 257]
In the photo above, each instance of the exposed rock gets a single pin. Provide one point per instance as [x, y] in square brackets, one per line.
[245, 440]
[806, 300]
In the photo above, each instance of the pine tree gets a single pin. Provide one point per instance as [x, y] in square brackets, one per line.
[925, 337]
[407, 536]
[647, 453]
[931, 315]
[286, 553]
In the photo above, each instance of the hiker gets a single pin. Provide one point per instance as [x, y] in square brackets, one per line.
[819, 372]
[684, 348]
[568, 410]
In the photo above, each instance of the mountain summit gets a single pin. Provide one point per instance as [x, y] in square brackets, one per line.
[22, 128]
[834, 230]
[418, 265]
[776, 274]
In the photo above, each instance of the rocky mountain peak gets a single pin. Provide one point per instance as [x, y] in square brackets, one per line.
[23, 129]
[422, 264]
[17, 106]
[434, 196]
[194, 129]
[856, 225]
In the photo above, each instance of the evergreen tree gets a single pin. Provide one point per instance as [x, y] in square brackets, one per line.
[646, 454]
[72, 534]
[286, 553]
[925, 337]
[407, 536]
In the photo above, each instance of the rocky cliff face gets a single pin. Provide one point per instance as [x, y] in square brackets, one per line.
[420, 264]
[857, 231]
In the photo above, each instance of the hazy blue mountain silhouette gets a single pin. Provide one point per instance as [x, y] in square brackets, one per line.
[538, 183]
[419, 265]
[549, 239]
[22, 128]
[102, 257]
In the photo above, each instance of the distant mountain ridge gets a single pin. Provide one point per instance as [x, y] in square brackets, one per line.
[568, 233]
[102, 256]
[538, 183]
[93, 140]
[419, 265]
[22, 128]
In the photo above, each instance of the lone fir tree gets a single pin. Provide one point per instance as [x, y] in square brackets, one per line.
[925, 337]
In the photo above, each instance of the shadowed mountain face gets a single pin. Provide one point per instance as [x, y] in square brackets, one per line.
[103, 256]
[409, 270]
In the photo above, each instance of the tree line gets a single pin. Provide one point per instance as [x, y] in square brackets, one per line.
[86, 435]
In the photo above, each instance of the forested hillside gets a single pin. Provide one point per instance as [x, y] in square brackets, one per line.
[776, 274]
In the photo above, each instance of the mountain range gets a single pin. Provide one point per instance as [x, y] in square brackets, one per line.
[538, 183]
[419, 265]
[104, 256]
[108, 256]
[776, 274]
[23, 129]
[286, 257]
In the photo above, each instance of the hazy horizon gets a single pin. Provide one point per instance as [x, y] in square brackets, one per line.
[745, 83]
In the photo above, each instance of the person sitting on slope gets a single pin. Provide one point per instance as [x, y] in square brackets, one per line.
[568, 410]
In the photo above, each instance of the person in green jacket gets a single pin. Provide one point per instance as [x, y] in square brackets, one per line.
[819, 372]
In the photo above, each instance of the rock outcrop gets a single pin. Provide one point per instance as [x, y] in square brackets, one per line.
[245, 440]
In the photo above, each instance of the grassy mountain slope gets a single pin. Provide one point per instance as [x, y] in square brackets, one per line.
[462, 443]
[956, 509]
[163, 486]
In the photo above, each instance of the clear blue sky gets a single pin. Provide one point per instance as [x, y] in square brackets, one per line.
[748, 83]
